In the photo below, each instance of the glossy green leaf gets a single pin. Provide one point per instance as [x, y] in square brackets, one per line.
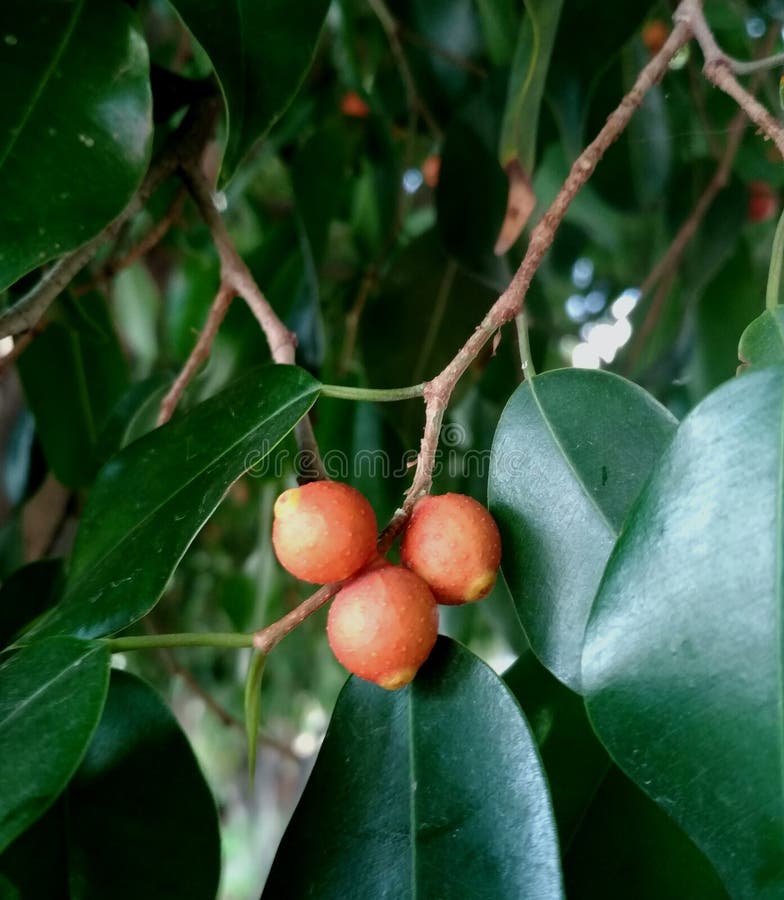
[136, 820]
[261, 52]
[628, 847]
[134, 414]
[762, 343]
[526, 83]
[75, 89]
[571, 452]
[51, 696]
[683, 655]
[498, 20]
[142, 820]
[70, 410]
[149, 501]
[28, 593]
[575, 762]
[435, 790]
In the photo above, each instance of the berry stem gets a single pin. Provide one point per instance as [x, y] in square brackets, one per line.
[186, 639]
[374, 395]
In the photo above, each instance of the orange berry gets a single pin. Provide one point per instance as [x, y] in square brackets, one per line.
[354, 106]
[453, 543]
[382, 626]
[431, 169]
[654, 35]
[324, 531]
[762, 202]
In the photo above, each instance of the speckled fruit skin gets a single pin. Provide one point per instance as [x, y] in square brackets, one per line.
[383, 625]
[324, 531]
[453, 543]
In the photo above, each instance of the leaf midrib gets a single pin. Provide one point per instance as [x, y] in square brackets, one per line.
[92, 565]
[47, 684]
[567, 459]
[56, 57]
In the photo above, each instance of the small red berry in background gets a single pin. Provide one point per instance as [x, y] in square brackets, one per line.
[354, 106]
[323, 532]
[453, 543]
[654, 35]
[431, 169]
[383, 625]
[763, 202]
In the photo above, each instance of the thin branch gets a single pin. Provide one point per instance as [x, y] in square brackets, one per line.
[718, 68]
[454, 59]
[744, 67]
[267, 638]
[392, 29]
[199, 354]
[184, 144]
[236, 275]
[354, 317]
[669, 262]
[439, 390]
[21, 343]
[151, 239]
[174, 667]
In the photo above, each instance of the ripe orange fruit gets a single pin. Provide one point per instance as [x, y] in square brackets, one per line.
[453, 543]
[383, 625]
[324, 531]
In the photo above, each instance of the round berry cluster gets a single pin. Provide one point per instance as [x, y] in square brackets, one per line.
[383, 623]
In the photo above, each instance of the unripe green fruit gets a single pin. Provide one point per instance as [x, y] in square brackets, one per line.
[324, 531]
[383, 625]
[453, 543]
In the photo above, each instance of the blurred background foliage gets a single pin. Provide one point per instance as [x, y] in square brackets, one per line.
[369, 215]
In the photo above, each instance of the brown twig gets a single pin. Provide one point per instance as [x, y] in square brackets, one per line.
[183, 146]
[200, 352]
[151, 239]
[454, 59]
[21, 343]
[174, 667]
[439, 390]
[392, 30]
[236, 276]
[668, 263]
[718, 68]
[353, 319]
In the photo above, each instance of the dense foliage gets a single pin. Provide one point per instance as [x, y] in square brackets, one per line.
[609, 721]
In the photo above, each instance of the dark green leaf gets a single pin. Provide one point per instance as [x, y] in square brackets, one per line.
[75, 89]
[432, 791]
[627, 847]
[261, 52]
[526, 83]
[51, 696]
[142, 821]
[499, 22]
[572, 450]
[683, 656]
[134, 414]
[28, 593]
[762, 343]
[574, 760]
[149, 502]
[71, 409]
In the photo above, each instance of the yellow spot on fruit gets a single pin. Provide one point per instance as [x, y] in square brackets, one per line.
[396, 680]
[287, 503]
[480, 586]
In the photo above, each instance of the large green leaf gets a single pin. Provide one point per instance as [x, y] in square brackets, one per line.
[432, 791]
[127, 826]
[75, 90]
[572, 450]
[261, 51]
[574, 760]
[149, 501]
[71, 409]
[762, 343]
[51, 696]
[683, 656]
[28, 593]
[628, 847]
[142, 821]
